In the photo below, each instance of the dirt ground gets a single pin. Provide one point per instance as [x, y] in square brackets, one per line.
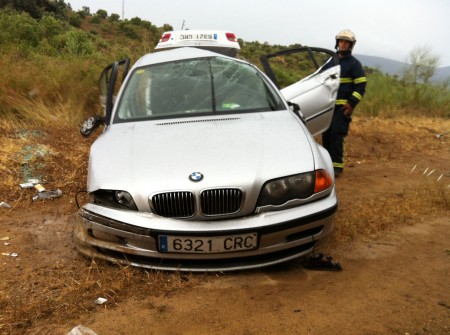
[394, 282]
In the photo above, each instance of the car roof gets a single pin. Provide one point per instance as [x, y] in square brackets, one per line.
[221, 41]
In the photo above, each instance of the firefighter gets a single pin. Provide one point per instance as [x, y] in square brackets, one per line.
[351, 90]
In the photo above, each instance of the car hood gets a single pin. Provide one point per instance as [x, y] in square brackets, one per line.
[242, 150]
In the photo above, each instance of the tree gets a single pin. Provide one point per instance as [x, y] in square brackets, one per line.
[85, 11]
[101, 13]
[423, 64]
[114, 17]
[420, 71]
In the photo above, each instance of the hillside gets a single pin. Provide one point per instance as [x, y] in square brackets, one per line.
[396, 68]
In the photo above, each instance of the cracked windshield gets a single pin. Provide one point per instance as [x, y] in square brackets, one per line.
[205, 86]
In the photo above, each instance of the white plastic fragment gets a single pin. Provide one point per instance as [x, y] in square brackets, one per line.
[30, 183]
[81, 330]
[10, 254]
[100, 301]
[414, 168]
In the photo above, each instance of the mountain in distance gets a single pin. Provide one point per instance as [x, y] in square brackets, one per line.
[393, 67]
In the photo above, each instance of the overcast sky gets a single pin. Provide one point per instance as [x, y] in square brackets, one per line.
[384, 28]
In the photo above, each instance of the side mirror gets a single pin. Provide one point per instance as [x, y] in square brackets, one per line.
[296, 109]
[90, 124]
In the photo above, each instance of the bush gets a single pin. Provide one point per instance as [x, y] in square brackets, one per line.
[19, 29]
[101, 13]
[75, 20]
[129, 30]
[77, 43]
[136, 21]
[114, 17]
[96, 20]
[51, 27]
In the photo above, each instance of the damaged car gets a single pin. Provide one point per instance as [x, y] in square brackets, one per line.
[207, 163]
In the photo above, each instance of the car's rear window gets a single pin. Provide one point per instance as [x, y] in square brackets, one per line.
[214, 85]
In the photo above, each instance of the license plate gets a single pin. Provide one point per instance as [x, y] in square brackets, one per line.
[206, 245]
[188, 36]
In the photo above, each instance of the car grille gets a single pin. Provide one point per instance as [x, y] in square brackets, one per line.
[174, 204]
[212, 202]
[221, 201]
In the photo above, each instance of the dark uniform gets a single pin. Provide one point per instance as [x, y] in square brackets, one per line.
[351, 90]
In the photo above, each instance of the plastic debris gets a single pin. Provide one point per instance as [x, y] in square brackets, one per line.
[81, 330]
[5, 205]
[39, 188]
[47, 194]
[321, 262]
[5, 238]
[100, 301]
[13, 254]
[30, 183]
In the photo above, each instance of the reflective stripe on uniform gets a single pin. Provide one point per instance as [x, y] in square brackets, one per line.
[346, 80]
[338, 165]
[360, 80]
[341, 101]
[357, 95]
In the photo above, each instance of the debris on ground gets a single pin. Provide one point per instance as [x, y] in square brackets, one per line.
[10, 254]
[5, 205]
[30, 183]
[320, 262]
[100, 301]
[81, 330]
[42, 195]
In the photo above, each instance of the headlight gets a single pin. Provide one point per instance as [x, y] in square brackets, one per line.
[279, 191]
[112, 198]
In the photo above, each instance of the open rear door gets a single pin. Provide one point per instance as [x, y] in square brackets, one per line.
[309, 77]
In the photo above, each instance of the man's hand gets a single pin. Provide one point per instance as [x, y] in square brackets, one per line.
[348, 109]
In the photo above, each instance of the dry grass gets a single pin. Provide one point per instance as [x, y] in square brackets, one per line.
[418, 183]
[55, 292]
[37, 113]
[375, 216]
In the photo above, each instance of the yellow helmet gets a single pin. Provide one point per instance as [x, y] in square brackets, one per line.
[347, 35]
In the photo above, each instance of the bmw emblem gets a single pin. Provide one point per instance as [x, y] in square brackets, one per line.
[196, 176]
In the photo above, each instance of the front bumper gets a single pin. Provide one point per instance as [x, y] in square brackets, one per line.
[131, 238]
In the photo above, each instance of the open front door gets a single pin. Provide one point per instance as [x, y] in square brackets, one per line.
[309, 77]
[108, 87]
[108, 84]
